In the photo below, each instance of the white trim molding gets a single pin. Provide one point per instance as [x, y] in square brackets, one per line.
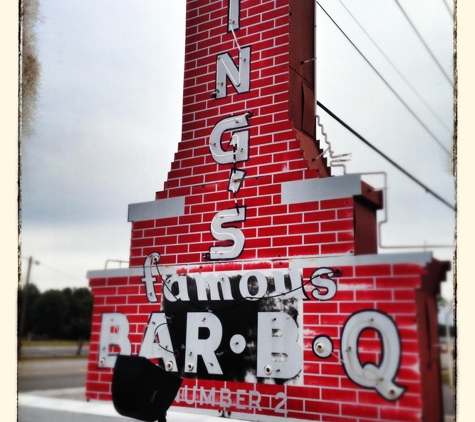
[321, 188]
[153, 210]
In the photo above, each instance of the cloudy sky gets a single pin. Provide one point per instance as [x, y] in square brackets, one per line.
[108, 121]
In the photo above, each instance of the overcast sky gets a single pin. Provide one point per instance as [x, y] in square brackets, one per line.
[109, 121]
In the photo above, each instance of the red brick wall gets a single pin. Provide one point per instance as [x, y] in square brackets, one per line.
[271, 229]
[275, 155]
[328, 394]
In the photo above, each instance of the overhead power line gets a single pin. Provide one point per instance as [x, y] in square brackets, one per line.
[396, 69]
[361, 138]
[56, 270]
[61, 272]
[388, 85]
[424, 43]
[448, 8]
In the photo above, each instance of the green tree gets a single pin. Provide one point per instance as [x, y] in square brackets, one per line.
[50, 312]
[31, 294]
[441, 302]
[79, 315]
[67, 333]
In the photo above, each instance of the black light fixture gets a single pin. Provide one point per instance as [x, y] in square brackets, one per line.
[142, 390]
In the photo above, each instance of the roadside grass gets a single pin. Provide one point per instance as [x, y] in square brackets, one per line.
[51, 343]
[53, 357]
[445, 376]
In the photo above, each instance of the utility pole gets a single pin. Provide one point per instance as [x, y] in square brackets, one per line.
[25, 299]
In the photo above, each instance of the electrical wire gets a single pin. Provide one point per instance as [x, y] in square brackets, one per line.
[61, 272]
[58, 271]
[388, 85]
[157, 342]
[448, 8]
[424, 43]
[395, 68]
[422, 185]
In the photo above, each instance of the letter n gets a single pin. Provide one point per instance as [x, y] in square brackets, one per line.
[239, 76]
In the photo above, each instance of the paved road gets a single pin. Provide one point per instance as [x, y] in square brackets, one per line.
[51, 374]
[448, 400]
[46, 351]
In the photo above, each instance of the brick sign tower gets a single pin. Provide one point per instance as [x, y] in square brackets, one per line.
[254, 274]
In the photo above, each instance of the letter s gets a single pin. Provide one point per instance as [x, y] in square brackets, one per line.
[326, 283]
[230, 234]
